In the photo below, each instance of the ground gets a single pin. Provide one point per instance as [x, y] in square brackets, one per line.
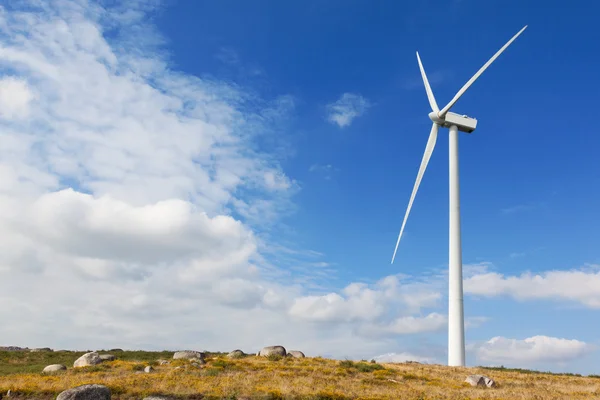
[255, 377]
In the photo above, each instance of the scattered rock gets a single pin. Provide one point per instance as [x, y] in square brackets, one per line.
[37, 350]
[87, 359]
[198, 363]
[13, 348]
[54, 368]
[188, 354]
[296, 354]
[163, 362]
[107, 357]
[480, 380]
[86, 392]
[236, 354]
[269, 350]
[148, 369]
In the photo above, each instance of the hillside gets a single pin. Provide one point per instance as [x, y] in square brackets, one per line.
[253, 377]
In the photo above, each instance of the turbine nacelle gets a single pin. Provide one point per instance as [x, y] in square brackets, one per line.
[463, 122]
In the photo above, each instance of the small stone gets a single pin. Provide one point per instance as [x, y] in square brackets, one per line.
[85, 392]
[158, 398]
[39, 349]
[236, 354]
[269, 350]
[54, 368]
[188, 354]
[296, 354]
[163, 362]
[148, 369]
[91, 358]
[480, 380]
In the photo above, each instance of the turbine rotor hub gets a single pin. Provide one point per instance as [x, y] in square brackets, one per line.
[435, 118]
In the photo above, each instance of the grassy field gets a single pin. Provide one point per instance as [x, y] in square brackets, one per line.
[275, 378]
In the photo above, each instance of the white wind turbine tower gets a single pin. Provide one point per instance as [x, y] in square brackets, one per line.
[455, 123]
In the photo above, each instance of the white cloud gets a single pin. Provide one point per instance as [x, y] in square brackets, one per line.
[475, 322]
[326, 170]
[348, 107]
[120, 194]
[532, 350]
[404, 357]
[582, 286]
[15, 96]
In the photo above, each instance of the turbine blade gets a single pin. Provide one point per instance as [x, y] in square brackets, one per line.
[470, 82]
[430, 96]
[426, 156]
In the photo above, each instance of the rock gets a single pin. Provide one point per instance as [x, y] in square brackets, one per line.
[158, 398]
[87, 359]
[148, 369]
[236, 354]
[37, 350]
[163, 362]
[13, 348]
[188, 354]
[85, 392]
[480, 380]
[54, 368]
[107, 357]
[489, 382]
[296, 354]
[277, 350]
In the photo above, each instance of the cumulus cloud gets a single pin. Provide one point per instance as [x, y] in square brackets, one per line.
[532, 350]
[577, 285]
[348, 107]
[131, 197]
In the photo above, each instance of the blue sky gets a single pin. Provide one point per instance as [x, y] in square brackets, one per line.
[517, 160]
[160, 113]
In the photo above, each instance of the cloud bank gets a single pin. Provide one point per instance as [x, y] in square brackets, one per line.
[132, 196]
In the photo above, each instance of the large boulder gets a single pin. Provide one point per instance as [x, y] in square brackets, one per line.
[480, 380]
[85, 392]
[272, 350]
[188, 355]
[107, 357]
[87, 360]
[54, 368]
[236, 354]
[296, 354]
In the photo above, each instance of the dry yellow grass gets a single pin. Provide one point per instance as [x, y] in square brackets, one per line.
[310, 378]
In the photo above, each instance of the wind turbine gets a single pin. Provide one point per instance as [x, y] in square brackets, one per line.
[455, 122]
